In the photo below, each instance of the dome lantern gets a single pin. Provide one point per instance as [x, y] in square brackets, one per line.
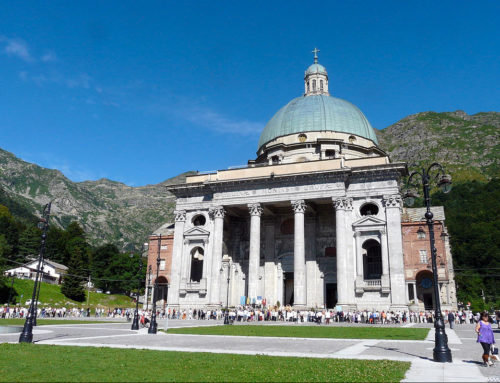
[316, 78]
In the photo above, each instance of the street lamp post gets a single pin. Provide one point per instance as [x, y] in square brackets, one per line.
[434, 173]
[38, 295]
[150, 268]
[135, 323]
[27, 334]
[153, 327]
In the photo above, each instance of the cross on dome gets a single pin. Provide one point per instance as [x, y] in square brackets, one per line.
[315, 51]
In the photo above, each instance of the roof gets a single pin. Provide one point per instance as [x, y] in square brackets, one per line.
[49, 262]
[317, 113]
[418, 214]
[316, 68]
[165, 229]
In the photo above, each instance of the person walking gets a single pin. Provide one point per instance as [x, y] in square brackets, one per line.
[485, 337]
[451, 320]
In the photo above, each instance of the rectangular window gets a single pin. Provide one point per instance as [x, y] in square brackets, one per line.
[421, 234]
[162, 264]
[163, 247]
[423, 256]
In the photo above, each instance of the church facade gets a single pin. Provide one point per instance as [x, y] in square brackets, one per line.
[314, 221]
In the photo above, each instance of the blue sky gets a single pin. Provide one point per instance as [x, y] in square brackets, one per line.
[141, 91]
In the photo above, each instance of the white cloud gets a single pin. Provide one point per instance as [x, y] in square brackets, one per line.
[17, 48]
[49, 57]
[82, 80]
[205, 117]
[219, 123]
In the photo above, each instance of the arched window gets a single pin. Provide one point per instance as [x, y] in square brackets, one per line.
[314, 85]
[308, 86]
[197, 264]
[321, 85]
[372, 260]
[352, 139]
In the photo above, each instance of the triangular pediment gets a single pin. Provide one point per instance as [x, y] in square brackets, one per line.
[196, 231]
[369, 221]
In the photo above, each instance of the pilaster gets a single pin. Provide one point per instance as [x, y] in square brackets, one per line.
[217, 214]
[393, 205]
[173, 291]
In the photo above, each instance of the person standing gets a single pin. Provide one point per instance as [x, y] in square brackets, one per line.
[451, 319]
[485, 337]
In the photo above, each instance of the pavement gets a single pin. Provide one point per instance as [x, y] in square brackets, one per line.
[466, 366]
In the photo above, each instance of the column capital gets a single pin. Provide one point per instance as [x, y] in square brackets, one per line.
[299, 206]
[180, 215]
[393, 200]
[217, 212]
[342, 203]
[255, 209]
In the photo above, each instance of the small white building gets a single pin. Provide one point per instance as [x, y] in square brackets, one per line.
[52, 272]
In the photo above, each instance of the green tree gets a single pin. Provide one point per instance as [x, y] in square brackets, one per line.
[72, 285]
[55, 246]
[29, 241]
[101, 258]
[9, 228]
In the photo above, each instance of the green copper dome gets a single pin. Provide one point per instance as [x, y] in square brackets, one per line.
[316, 68]
[317, 113]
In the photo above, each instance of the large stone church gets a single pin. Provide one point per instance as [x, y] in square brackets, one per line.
[315, 220]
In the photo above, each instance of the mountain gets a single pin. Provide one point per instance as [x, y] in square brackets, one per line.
[468, 146]
[109, 211]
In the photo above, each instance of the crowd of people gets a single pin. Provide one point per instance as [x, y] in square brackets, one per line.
[256, 314]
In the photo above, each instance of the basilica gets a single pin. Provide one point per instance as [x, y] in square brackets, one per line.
[314, 221]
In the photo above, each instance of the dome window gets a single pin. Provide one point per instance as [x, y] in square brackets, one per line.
[369, 209]
[314, 85]
[199, 220]
[352, 139]
[321, 85]
[302, 137]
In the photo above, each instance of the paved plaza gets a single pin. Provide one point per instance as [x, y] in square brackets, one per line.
[462, 341]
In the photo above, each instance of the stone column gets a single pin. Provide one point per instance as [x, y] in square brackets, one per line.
[175, 275]
[415, 292]
[392, 205]
[269, 265]
[386, 285]
[359, 256]
[299, 255]
[311, 264]
[217, 213]
[341, 205]
[254, 256]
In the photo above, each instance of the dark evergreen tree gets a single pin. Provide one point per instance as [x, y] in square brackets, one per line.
[72, 285]
[29, 241]
[9, 228]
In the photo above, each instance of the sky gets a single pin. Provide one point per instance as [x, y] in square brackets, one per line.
[139, 92]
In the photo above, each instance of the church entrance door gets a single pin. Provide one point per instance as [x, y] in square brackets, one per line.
[331, 295]
[288, 289]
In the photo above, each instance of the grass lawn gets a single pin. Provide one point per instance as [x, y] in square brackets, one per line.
[43, 363]
[309, 331]
[50, 295]
[20, 322]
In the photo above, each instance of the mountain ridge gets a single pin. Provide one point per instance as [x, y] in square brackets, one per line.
[111, 211]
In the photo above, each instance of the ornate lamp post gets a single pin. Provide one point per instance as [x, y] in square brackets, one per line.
[135, 322]
[27, 334]
[226, 317]
[434, 173]
[153, 327]
[150, 269]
